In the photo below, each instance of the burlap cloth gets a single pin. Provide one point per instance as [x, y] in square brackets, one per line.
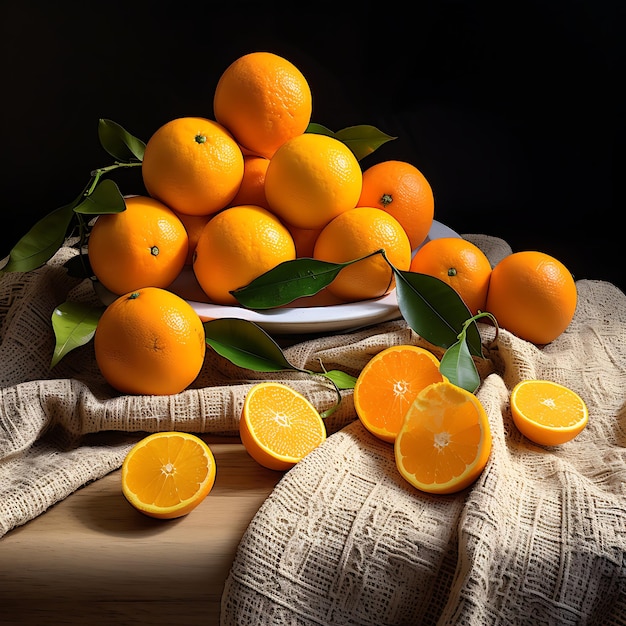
[540, 538]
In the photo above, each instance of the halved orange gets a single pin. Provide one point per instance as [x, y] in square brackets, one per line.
[548, 413]
[168, 474]
[445, 441]
[279, 426]
[388, 384]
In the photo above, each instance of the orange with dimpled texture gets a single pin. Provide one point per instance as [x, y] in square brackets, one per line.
[358, 233]
[403, 191]
[264, 100]
[533, 295]
[193, 165]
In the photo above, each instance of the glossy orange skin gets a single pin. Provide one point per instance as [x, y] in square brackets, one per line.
[264, 100]
[458, 263]
[311, 180]
[144, 246]
[533, 295]
[355, 234]
[252, 189]
[403, 191]
[150, 342]
[236, 246]
[193, 165]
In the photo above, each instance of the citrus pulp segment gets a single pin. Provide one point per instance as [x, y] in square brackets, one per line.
[445, 440]
[548, 413]
[168, 474]
[279, 426]
[389, 383]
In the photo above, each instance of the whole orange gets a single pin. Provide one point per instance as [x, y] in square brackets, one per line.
[312, 179]
[252, 190]
[150, 342]
[533, 295]
[460, 264]
[193, 165]
[193, 225]
[354, 234]
[237, 245]
[144, 246]
[304, 240]
[401, 189]
[264, 100]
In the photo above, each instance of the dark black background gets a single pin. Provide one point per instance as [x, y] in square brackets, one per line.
[511, 110]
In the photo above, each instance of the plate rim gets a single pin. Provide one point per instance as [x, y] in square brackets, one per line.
[340, 316]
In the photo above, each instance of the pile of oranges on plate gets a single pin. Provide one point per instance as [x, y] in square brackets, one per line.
[234, 196]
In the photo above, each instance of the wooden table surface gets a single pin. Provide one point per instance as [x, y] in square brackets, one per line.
[93, 559]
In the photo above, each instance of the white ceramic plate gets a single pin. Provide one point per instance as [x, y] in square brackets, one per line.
[318, 318]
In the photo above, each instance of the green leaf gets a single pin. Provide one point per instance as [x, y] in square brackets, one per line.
[457, 362]
[318, 129]
[105, 198]
[287, 282]
[246, 344]
[434, 310]
[363, 139]
[74, 325]
[341, 379]
[41, 242]
[459, 367]
[119, 143]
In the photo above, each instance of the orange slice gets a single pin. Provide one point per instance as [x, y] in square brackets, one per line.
[388, 384]
[445, 441]
[547, 413]
[279, 426]
[168, 474]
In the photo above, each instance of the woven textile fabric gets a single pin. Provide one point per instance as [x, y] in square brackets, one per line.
[540, 538]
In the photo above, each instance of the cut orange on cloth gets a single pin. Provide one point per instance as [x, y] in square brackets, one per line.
[445, 441]
[547, 413]
[279, 426]
[168, 474]
[388, 384]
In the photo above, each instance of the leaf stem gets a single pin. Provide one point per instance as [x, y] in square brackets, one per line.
[97, 174]
[476, 317]
[328, 412]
